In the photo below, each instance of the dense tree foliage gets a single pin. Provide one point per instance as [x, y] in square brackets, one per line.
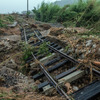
[83, 13]
[46, 12]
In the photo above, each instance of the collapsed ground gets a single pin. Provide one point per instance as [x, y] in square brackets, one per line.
[13, 78]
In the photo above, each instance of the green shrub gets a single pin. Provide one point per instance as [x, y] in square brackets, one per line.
[4, 20]
[27, 51]
[83, 13]
[67, 47]
[43, 49]
[46, 12]
[2, 23]
[10, 18]
[69, 23]
[91, 15]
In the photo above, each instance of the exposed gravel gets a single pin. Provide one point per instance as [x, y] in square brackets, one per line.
[11, 77]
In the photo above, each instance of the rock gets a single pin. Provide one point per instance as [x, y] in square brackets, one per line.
[69, 88]
[6, 43]
[13, 25]
[89, 51]
[99, 50]
[13, 78]
[71, 30]
[45, 32]
[77, 45]
[82, 56]
[11, 64]
[84, 51]
[69, 51]
[76, 51]
[75, 88]
[88, 43]
[12, 38]
[94, 46]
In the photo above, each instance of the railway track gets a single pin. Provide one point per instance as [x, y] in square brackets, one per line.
[58, 69]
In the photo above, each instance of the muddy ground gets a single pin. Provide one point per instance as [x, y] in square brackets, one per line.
[14, 84]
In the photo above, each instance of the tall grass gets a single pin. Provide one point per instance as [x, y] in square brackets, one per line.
[46, 12]
[83, 13]
[6, 19]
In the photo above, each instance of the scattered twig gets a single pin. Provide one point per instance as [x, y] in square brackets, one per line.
[97, 63]
[91, 73]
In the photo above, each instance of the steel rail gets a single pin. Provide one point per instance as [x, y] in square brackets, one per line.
[66, 56]
[52, 81]
[25, 37]
[61, 53]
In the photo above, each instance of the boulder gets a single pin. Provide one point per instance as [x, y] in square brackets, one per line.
[88, 43]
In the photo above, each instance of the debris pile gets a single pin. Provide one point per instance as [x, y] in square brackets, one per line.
[81, 48]
[11, 77]
[45, 26]
[56, 31]
[8, 45]
[75, 30]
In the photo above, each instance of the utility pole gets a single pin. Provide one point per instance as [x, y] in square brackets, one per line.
[27, 8]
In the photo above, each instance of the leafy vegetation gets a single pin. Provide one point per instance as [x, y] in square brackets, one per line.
[4, 20]
[43, 49]
[83, 13]
[10, 18]
[2, 23]
[3, 94]
[67, 47]
[27, 49]
[46, 12]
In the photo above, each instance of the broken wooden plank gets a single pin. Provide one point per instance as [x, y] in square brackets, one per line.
[57, 77]
[46, 87]
[71, 77]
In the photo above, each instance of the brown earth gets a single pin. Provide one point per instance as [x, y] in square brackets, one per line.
[84, 49]
[11, 65]
[10, 31]
[7, 93]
